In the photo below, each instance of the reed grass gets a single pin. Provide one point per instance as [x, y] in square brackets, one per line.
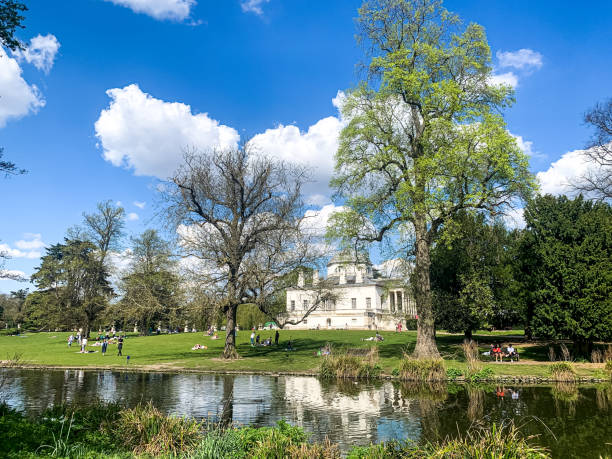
[346, 366]
[562, 371]
[411, 369]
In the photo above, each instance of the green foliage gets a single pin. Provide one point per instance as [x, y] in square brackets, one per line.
[395, 372]
[421, 369]
[249, 316]
[152, 294]
[73, 286]
[562, 371]
[503, 441]
[483, 374]
[453, 373]
[566, 261]
[424, 138]
[11, 19]
[471, 276]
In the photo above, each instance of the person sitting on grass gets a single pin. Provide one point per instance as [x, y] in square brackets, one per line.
[198, 346]
[215, 336]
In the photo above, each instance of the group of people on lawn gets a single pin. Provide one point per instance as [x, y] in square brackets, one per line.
[102, 340]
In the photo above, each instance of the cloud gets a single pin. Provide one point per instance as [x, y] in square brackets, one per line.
[13, 274]
[558, 177]
[315, 148]
[315, 221]
[173, 10]
[525, 145]
[40, 52]
[16, 253]
[17, 97]
[253, 6]
[523, 59]
[31, 241]
[514, 218]
[508, 78]
[140, 205]
[148, 135]
[132, 216]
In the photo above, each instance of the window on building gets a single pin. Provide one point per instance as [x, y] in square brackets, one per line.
[329, 322]
[354, 303]
[293, 305]
[305, 304]
[305, 321]
[399, 301]
[369, 303]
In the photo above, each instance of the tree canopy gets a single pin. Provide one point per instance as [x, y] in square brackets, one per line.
[567, 254]
[424, 138]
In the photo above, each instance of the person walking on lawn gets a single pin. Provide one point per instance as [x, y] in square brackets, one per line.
[276, 336]
[104, 346]
[120, 345]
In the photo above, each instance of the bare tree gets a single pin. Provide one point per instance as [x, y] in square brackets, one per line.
[105, 227]
[239, 216]
[597, 181]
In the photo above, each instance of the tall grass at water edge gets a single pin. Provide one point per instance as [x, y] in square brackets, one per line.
[411, 369]
[344, 365]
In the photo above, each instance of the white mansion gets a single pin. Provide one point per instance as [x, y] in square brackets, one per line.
[363, 299]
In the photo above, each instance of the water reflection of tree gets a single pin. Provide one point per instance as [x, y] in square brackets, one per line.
[603, 396]
[430, 396]
[565, 395]
[476, 397]
[227, 411]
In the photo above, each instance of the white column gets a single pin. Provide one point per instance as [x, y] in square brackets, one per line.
[301, 279]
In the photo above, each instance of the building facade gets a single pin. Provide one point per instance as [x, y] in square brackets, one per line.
[362, 299]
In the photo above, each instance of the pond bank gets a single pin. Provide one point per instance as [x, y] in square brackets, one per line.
[523, 379]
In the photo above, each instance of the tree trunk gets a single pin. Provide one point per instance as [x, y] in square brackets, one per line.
[426, 342]
[468, 334]
[230, 333]
[227, 413]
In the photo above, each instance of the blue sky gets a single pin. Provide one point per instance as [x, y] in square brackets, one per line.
[105, 115]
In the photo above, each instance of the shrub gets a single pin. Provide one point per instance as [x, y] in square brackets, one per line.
[146, 430]
[562, 371]
[453, 373]
[421, 369]
[482, 375]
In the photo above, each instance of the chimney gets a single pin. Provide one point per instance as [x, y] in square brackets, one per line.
[359, 276]
[315, 277]
[301, 279]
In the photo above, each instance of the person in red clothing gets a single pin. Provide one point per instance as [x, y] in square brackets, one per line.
[497, 353]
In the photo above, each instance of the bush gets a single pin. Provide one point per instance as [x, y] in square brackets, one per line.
[453, 373]
[609, 368]
[562, 371]
[421, 369]
[482, 375]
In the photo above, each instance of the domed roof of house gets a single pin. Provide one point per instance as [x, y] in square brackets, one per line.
[350, 256]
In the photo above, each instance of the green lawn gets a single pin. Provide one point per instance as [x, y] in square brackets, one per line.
[173, 352]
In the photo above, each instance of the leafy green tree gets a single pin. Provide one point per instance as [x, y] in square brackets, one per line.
[472, 278]
[566, 252]
[152, 292]
[72, 287]
[10, 20]
[424, 138]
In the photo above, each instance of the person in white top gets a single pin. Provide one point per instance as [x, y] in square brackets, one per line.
[84, 345]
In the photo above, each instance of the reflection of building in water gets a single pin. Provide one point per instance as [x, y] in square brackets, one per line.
[364, 298]
[354, 412]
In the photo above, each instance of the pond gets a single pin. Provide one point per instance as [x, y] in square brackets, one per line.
[572, 421]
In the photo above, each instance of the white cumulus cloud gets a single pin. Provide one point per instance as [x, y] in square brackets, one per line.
[139, 204]
[315, 221]
[132, 216]
[174, 10]
[508, 78]
[314, 148]
[17, 97]
[40, 52]
[520, 59]
[253, 6]
[558, 177]
[12, 274]
[31, 241]
[148, 135]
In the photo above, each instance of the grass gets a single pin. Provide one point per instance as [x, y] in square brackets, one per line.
[173, 352]
[421, 369]
[562, 371]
